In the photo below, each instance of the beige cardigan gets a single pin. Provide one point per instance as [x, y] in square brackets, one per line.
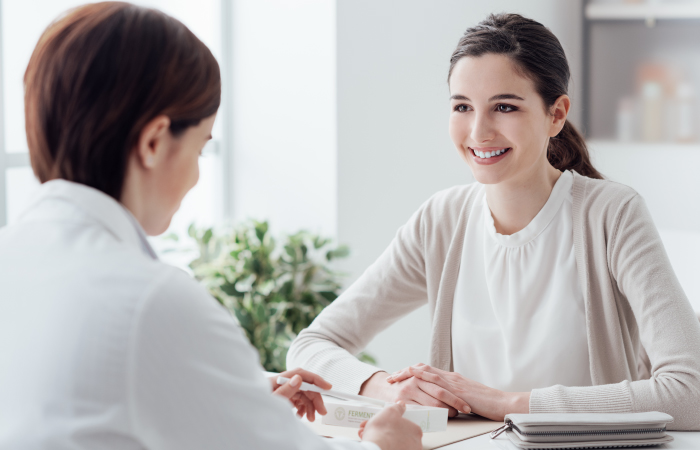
[633, 303]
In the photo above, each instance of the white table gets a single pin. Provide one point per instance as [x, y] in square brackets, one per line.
[682, 440]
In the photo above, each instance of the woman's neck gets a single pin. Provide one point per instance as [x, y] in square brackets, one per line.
[515, 203]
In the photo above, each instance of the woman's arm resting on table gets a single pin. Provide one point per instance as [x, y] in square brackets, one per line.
[668, 330]
[461, 393]
[389, 289]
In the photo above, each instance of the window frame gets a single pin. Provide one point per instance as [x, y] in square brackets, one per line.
[221, 147]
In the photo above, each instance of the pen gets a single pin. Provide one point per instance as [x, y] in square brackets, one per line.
[313, 388]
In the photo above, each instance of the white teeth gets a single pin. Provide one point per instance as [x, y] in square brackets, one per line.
[485, 155]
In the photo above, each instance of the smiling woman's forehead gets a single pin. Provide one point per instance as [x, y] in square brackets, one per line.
[488, 78]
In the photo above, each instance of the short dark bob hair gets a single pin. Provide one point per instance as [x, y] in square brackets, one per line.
[97, 76]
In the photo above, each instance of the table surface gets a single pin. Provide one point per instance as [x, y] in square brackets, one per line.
[682, 440]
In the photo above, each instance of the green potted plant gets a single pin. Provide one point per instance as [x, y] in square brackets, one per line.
[274, 288]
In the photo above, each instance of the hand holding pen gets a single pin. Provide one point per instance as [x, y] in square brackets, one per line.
[305, 402]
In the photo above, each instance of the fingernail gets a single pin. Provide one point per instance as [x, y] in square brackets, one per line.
[296, 379]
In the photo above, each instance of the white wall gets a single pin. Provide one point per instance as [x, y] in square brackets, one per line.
[666, 177]
[284, 133]
[393, 147]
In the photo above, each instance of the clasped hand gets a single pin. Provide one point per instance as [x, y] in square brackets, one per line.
[426, 385]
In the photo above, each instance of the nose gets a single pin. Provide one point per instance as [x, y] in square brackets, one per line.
[483, 129]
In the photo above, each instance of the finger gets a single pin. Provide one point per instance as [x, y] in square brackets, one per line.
[299, 404]
[399, 376]
[317, 400]
[445, 396]
[361, 431]
[405, 373]
[310, 410]
[397, 409]
[431, 369]
[308, 377]
[289, 388]
[422, 398]
[432, 378]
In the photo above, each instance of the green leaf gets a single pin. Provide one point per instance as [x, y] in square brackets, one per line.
[260, 313]
[341, 252]
[367, 358]
[172, 237]
[274, 288]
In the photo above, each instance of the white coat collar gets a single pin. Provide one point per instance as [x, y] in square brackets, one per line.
[97, 205]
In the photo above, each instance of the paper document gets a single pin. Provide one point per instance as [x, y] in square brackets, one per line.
[462, 427]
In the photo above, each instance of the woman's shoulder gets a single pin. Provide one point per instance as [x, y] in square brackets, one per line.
[440, 216]
[452, 200]
[601, 195]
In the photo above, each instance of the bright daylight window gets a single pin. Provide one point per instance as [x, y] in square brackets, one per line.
[22, 23]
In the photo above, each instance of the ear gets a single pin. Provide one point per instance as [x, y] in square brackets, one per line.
[558, 112]
[153, 140]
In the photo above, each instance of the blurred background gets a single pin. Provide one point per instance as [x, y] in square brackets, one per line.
[334, 118]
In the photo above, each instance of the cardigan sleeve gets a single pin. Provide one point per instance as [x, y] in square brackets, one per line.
[389, 289]
[668, 331]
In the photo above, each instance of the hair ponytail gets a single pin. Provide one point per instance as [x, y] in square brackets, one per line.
[568, 151]
[537, 52]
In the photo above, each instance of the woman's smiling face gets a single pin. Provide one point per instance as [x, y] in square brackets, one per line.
[496, 111]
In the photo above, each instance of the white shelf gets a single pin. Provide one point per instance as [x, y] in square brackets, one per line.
[600, 11]
[611, 144]
[16, 159]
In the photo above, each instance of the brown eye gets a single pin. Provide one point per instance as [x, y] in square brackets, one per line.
[461, 108]
[505, 108]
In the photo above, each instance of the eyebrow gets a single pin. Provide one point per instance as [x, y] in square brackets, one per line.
[495, 97]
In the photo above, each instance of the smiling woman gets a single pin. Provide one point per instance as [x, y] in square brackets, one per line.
[549, 288]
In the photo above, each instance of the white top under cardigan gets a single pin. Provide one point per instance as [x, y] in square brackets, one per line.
[518, 320]
[103, 347]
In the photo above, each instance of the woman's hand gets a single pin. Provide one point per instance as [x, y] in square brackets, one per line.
[304, 401]
[390, 431]
[412, 391]
[474, 396]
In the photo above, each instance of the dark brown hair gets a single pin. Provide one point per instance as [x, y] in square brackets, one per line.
[539, 55]
[97, 76]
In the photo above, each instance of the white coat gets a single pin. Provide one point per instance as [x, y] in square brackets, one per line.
[102, 346]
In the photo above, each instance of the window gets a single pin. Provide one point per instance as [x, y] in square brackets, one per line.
[21, 25]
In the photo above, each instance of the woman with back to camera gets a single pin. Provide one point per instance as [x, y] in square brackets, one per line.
[101, 345]
[548, 287]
